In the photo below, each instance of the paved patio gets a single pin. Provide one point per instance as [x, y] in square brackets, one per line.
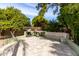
[39, 46]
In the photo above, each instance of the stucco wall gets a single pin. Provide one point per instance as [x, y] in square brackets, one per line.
[60, 36]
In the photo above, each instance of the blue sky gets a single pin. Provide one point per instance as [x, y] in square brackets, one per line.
[29, 9]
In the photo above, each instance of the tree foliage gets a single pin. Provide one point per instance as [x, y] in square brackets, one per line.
[12, 19]
[69, 16]
[39, 21]
[53, 26]
[45, 7]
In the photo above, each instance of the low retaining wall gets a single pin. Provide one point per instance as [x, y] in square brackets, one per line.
[60, 36]
[63, 37]
[7, 48]
[74, 46]
[7, 34]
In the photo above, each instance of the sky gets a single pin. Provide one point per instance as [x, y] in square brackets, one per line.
[29, 9]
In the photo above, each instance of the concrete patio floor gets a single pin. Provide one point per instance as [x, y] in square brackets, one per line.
[39, 46]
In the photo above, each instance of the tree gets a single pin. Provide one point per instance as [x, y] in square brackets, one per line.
[53, 26]
[39, 21]
[13, 20]
[69, 16]
[43, 7]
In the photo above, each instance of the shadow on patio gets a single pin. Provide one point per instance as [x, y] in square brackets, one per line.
[61, 49]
